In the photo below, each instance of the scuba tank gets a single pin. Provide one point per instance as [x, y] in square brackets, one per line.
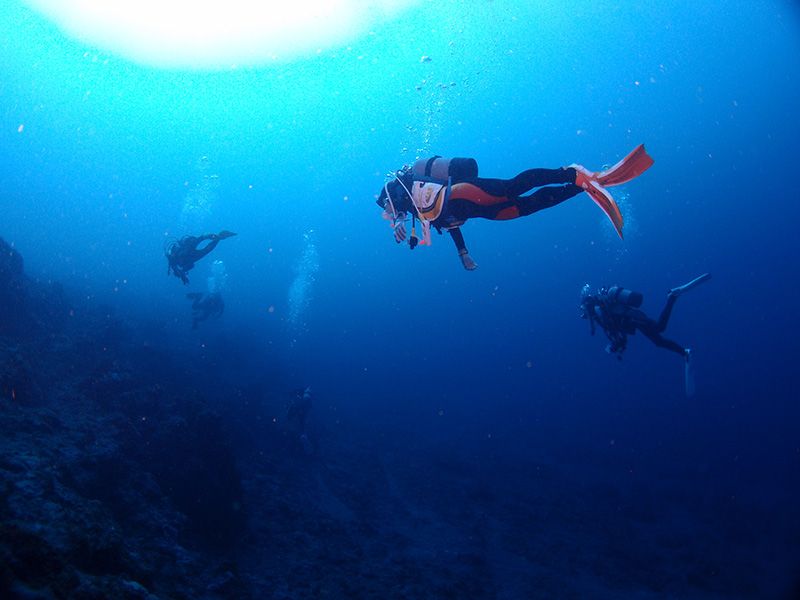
[625, 296]
[441, 169]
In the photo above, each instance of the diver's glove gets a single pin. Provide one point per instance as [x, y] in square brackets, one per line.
[399, 227]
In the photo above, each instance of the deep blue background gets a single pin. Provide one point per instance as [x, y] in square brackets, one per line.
[109, 151]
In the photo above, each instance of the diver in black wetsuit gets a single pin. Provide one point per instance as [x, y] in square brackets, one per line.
[183, 253]
[297, 417]
[616, 311]
[205, 306]
[493, 199]
[444, 193]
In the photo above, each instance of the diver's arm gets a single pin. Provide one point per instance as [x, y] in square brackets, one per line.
[458, 239]
[461, 247]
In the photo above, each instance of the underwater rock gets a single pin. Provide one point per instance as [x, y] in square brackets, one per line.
[27, 306]
[17, 380]
[48, 306]
[12, 289]
[193, 463]
[11, 263]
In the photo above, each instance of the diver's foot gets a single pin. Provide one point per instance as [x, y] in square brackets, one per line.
[583, 176]
[225, 234]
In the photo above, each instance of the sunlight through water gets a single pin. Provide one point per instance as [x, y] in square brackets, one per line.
[216, 34]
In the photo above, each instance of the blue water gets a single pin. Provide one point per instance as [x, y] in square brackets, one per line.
[102, 160]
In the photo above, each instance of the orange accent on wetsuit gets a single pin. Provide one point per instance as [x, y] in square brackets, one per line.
[472, 193]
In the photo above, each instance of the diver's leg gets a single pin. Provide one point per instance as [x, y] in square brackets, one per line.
[663, 342]
[525, 181]
[546, 198]
[666, 313]
[650, 329]
[484, 199]
[472, 201]
[533, 178]
[201, 252]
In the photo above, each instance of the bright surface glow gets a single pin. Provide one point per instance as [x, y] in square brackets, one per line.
[215, 33]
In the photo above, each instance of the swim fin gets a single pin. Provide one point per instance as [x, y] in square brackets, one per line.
[225, 234]
[677, 291]
[688, 374]
[587, 181]
[630, 167]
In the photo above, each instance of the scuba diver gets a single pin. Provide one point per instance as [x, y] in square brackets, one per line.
[211, 303]
[205, 306]
[616, 311]
[445, 193]
[183, 253]
[297, 416]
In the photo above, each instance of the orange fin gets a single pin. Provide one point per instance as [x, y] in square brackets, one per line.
[630, 167]
[603, 199]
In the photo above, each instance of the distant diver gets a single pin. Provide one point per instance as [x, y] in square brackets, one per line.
[297, 417]
[205, 306]
[445, 193]
[183, 253]
[616, 311]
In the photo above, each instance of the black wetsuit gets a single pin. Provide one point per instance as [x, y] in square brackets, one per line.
[182, 255]
[298, 410]
[205, 306]
[619, 321]
[502, 199]
[494, 199]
